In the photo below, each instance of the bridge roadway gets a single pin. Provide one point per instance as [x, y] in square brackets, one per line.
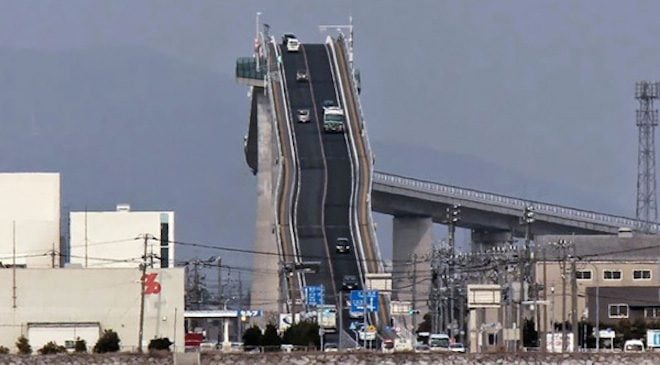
[487, 212]
[322, 202]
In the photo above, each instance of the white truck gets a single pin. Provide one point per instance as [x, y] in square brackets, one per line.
[327, 317]
[333, 119]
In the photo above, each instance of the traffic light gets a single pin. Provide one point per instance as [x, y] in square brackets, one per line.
[454, 213]
[528, 214]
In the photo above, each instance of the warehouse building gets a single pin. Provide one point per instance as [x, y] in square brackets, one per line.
[64, 305]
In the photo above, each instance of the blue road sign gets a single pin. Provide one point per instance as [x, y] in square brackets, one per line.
[358, 300]
[315, 295]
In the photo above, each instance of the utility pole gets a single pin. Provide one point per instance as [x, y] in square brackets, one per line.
[239, 325]
[142, 287]
[562, 246]
[414, 292]
[530, 268]
[574, 319]
[544, 344]
[453, 217]
[521, 270]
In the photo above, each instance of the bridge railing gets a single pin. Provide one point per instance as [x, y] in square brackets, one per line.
[510, 202]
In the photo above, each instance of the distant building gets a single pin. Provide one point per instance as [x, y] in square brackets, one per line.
[624, 268]
[30, 219]
[116, 238]
[62, 305]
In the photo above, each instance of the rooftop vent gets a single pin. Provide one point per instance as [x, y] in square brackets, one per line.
[123, 207]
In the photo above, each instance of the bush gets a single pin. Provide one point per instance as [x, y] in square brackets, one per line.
[81, 345]
[160, 344]
[51, 348]
[303, 334]
[252, 337]
[108, 342]
[4, 350]
[23, 346]
[271, 340]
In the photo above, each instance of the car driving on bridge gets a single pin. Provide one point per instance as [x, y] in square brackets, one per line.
[301, 75]
[333, 120]
[343, 245]
[350, 282]
[291, 42]
[303, 115]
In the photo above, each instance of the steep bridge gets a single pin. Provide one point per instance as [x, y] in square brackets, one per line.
[314, 188]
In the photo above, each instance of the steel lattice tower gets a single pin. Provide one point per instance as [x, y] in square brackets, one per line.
[647, 119]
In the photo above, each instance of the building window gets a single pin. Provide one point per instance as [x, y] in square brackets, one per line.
[652, 312]
[612, 275]
[618, 310]
[641, 274]
[583, 275]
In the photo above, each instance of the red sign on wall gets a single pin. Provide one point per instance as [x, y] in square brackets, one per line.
[151, 286]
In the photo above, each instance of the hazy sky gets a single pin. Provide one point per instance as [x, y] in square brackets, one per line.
[541, 88]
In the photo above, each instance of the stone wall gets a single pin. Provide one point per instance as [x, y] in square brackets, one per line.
[343, 358]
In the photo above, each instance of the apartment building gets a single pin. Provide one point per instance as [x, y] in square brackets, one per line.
[616, 277]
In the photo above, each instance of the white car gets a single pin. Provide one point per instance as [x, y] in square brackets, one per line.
[303, 115]
[292, 44]
[457, 347]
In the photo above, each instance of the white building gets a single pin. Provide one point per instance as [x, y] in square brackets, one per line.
[62, 305]
[29, 219]
[116, 238]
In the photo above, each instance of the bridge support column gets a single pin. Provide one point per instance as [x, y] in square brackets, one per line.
[412, 235]
[264, 291]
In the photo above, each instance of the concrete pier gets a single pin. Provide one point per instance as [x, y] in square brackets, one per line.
[265, 282]
[411, 235]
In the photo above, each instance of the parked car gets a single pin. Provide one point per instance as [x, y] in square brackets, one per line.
[343, 245]
[330, 347]
[457, 347]
[303, 115]
[422, 348]
[301, 75]
[633, 346]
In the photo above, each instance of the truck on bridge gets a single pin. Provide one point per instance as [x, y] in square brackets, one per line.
[333, 119]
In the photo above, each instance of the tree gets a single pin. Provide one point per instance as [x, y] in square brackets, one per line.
[530, 335]
[426, 324]
[4, 350]
[252, 337]
[303, 334]
[23, 346]
[160, 344]
[81, 345]
[108, 342]
[52, 348]
[271, 339]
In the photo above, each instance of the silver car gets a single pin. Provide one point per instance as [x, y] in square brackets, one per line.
[301, 75]
[303, 115]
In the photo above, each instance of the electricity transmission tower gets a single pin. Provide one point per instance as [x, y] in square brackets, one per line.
[647, 119]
